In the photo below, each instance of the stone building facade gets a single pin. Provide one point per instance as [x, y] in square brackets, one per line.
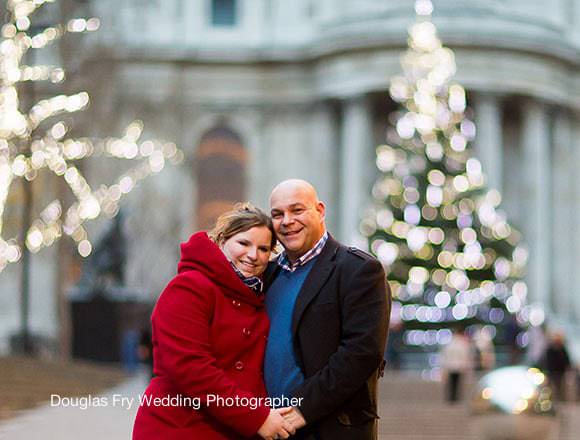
[256, 91]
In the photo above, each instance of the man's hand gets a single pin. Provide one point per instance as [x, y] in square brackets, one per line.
[276, 427]
[293, 416]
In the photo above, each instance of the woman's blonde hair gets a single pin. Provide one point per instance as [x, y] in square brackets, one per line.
[241, 218]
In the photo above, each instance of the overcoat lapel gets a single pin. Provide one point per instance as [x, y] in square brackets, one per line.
[270, 274]
[323, 267]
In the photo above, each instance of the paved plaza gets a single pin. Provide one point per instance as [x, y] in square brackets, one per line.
[113, 421]
[410, 409]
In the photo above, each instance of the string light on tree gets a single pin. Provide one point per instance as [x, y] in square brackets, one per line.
[450, 252]
[31, 143]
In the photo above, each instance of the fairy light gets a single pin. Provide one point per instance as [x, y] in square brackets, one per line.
[25, 148]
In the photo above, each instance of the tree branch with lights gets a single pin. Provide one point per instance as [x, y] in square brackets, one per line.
[30, 142]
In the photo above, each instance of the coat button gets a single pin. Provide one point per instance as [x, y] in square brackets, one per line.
[239, 365]
[236, 303]
[246, 331]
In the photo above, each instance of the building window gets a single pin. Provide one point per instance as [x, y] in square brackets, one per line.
[223, 12]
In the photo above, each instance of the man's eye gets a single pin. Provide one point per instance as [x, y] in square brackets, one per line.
[277, 215]
[298, 211]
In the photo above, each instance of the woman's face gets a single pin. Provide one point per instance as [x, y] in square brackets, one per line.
[249, 250]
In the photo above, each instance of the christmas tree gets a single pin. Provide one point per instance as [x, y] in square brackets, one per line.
[450, 253]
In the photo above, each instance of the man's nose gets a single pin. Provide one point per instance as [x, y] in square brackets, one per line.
[288, 218]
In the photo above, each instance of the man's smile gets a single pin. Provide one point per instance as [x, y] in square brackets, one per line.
[291, 233]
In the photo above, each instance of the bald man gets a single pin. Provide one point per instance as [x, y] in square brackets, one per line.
[329, 310]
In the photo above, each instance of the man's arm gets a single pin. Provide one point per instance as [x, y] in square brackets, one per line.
[365, 316]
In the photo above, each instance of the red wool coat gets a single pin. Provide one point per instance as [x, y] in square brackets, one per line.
[209, 337]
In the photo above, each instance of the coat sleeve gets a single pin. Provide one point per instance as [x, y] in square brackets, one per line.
[365, 312]
[181, 326]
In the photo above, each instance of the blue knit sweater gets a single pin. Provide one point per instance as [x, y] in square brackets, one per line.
[281, 370]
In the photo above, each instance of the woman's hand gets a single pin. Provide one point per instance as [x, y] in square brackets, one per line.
[275, 427]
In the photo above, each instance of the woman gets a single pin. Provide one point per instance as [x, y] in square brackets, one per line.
[209, 336]
[456, 363]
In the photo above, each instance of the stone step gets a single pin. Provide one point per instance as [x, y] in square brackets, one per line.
[29, 382]
[414, 409]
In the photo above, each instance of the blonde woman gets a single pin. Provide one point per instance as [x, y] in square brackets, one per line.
[209, 336]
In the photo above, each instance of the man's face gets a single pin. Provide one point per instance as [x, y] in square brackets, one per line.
[298, 219]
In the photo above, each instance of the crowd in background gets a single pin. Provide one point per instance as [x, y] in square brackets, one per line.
[471, 354]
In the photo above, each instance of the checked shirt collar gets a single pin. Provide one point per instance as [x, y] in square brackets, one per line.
[286, 264]
[255, 283]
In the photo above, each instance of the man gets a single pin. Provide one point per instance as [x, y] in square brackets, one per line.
[557, 363]
[329, 310]
[456, 363]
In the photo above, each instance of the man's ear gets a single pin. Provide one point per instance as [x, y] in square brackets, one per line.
[321, 208]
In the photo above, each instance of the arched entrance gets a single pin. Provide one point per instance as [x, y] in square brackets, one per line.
[220, 168]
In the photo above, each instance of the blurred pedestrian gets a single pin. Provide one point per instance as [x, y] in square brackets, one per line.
[394, 345]
[484, 350]
[129, 350]
[512, 330]
[146, 350]
[557, 363]
[538, 342]
[456, 364]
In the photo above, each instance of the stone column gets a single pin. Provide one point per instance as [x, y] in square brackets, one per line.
[536, 198]
[562, 257]
[575, 180]
[489, 142]
[356, 159]
[170, 18]
[126, 23]
[323, 161]
[257, 172]
[327, 10]
[194, 19]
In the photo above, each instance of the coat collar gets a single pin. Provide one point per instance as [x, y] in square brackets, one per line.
[270, 274]
[323, 267]
[204, 256]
